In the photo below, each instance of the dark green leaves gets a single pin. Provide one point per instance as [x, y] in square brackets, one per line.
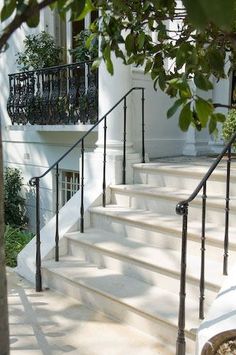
[172, 110]
[130, 43]
[202, 81]
[185, 117]
[108, 61]
[203, 109]
[8, 8]
[33, 21]
[216, 60]
[85, 8]
[141, 40]
[219, 12]
[193, 50]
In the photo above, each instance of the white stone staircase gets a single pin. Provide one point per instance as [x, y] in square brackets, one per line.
[127, 263]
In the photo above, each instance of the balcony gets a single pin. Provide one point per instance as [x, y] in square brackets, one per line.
[62, 95]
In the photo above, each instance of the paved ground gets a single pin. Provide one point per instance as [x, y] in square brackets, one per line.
[49, 323]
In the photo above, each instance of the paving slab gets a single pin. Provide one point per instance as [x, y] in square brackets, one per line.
[49, 323]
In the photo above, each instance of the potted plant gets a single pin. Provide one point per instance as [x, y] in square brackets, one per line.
[85, 49]
[40, 51]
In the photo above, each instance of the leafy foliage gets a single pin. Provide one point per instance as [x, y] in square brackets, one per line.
[229, 126]
[182, 57]
[182, 47]
[40, 52]
[14, 203]
[86, 47]
[15, 241]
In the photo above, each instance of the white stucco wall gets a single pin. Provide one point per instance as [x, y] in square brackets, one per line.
[163, 137]
[30, 150]
[34, 151]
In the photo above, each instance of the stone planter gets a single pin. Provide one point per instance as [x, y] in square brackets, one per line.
[213, 344]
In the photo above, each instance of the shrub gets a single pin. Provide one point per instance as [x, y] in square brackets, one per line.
[40, 51]
[14, 203]
[84, 48]
[15, 240]
[229, 126]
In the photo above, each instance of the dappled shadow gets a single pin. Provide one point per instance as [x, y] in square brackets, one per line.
[50, 323]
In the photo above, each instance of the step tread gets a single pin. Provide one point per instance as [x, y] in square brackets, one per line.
[153, 301]
[186, 169]
[151, 257]
[171, 193]
[166, 223]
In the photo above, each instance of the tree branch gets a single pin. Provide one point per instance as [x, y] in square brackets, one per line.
[222, 105]
[20, 19]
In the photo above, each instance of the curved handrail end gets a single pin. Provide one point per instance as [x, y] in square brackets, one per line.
[181, 208]
[32, 181]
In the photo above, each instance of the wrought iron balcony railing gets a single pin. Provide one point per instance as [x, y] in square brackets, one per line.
[66, 94]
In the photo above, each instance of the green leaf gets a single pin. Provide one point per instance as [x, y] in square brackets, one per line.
[8, 9]
[183, 87]
[129, 43]
[202, 12]
[196, 13]
[148, 66]
[96, 63]
[219, 117]
[204, 109]
[108, 61]
[141, 40]
[162, 81]
[174, 108]
[216, 59]
[85, 8]
[202, 82]
[212, 124]
[76, 9]
[185, 117]
[184, 52]
[185, 92]
[33, 21]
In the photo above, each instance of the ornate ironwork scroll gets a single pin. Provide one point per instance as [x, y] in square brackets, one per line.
[66, 94]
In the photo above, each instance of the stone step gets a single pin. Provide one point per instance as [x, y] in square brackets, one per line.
[184, 176]
[58, 324]
[148, 308]
[160, 267]
[163, 231]
[164, 199]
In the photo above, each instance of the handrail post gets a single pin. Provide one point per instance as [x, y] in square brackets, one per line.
[57, 215]
[181, 343]
[104, 163]
[124, 144]
[38, 276]
[203, 240]
[227, 199]
[82, 189]
[143, 124]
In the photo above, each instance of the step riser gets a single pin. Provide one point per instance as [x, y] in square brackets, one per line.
[155, 237]
[115, 309]
[168, 206]
[186, 182]
[161, 278]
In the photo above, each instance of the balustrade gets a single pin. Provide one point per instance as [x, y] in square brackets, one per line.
[66, 94]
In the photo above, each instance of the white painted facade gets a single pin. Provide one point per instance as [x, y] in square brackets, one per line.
[33, 149]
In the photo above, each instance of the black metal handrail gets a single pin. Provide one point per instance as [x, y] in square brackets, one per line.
[35, 181]
[182, 209]
[64, 94]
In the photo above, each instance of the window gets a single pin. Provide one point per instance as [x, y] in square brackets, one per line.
[69, 185]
